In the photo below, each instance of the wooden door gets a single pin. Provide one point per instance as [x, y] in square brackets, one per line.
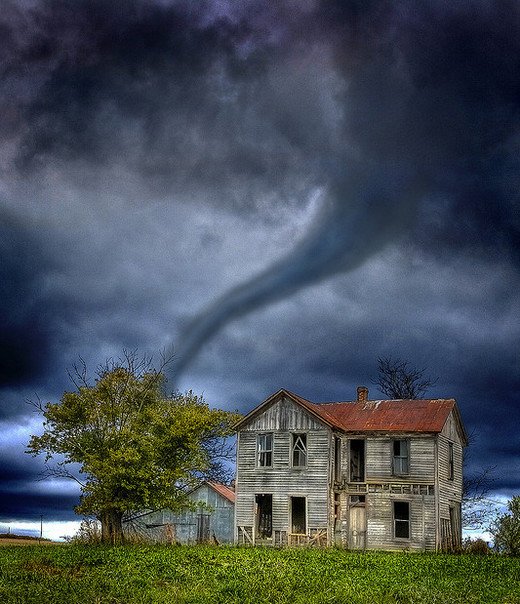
[202, 528]
[357, 523]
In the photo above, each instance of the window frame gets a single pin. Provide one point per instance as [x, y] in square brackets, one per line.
[395, 520]
[264, 451]
[399, 458]
[295, 437]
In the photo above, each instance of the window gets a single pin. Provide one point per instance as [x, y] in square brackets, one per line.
[451, 466]
[401, 520]
[265, 450]
[299, 450]
[401, 457]
[357, 460]
[337, 459]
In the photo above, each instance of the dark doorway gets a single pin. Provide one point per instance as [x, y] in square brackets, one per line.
[298, 515]
[264, 516]
[357, 460]
[202, 528]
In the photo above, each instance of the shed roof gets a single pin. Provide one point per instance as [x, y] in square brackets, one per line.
[223, 490]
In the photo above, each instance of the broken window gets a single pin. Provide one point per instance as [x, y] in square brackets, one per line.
[299, 450]
[401, 457]
[401, 520]
[357, 461]
[265, 450]
[451, 464]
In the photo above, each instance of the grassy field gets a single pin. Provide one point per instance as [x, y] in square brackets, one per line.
[212, 575]
[6, 539]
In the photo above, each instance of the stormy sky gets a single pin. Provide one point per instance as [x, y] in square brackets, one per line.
[278, 192]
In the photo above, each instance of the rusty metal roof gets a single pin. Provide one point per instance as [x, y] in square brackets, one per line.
[420, 415]
[223, 490]
[426, 415]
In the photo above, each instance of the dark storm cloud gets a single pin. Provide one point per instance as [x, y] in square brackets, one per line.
[162, 88]
[23, 328]
[24, 503]
[23, 494]
[430, 110]
[420, 111]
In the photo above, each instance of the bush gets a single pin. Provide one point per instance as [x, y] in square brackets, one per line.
[476, 546]
[506, 529]
[89, 532]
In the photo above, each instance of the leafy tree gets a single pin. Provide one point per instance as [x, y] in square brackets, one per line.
[506, 529]
[137, 448]
[398, 379]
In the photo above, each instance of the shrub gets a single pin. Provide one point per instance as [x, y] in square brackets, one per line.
[89, 532]
[506, 529]
[476, 546]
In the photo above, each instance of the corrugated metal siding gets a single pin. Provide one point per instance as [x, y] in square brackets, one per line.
[162, 525]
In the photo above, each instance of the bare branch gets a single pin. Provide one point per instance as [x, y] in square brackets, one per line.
[39, 407]
[398, 379]
[59, 471]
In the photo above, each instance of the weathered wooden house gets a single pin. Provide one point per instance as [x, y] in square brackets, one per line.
[211, 521]
[384, 474]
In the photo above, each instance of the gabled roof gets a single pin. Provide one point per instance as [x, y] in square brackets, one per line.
[423, 415]
[310, 407]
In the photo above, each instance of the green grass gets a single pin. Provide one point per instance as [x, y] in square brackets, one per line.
[212, 575]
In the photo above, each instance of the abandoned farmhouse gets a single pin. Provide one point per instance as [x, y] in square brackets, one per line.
[365, 474]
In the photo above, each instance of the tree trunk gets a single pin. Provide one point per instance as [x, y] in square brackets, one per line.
[112, 527]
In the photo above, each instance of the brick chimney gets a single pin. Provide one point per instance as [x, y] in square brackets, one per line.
[362, 394]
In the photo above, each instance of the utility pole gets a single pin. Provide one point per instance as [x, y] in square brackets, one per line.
[41, 526]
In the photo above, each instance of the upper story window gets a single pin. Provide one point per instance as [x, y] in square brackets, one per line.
[401, 519]
[337, 459]
[299, 450]
[401, 457]
[357, 460]
[265, 450]
[451, 462]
